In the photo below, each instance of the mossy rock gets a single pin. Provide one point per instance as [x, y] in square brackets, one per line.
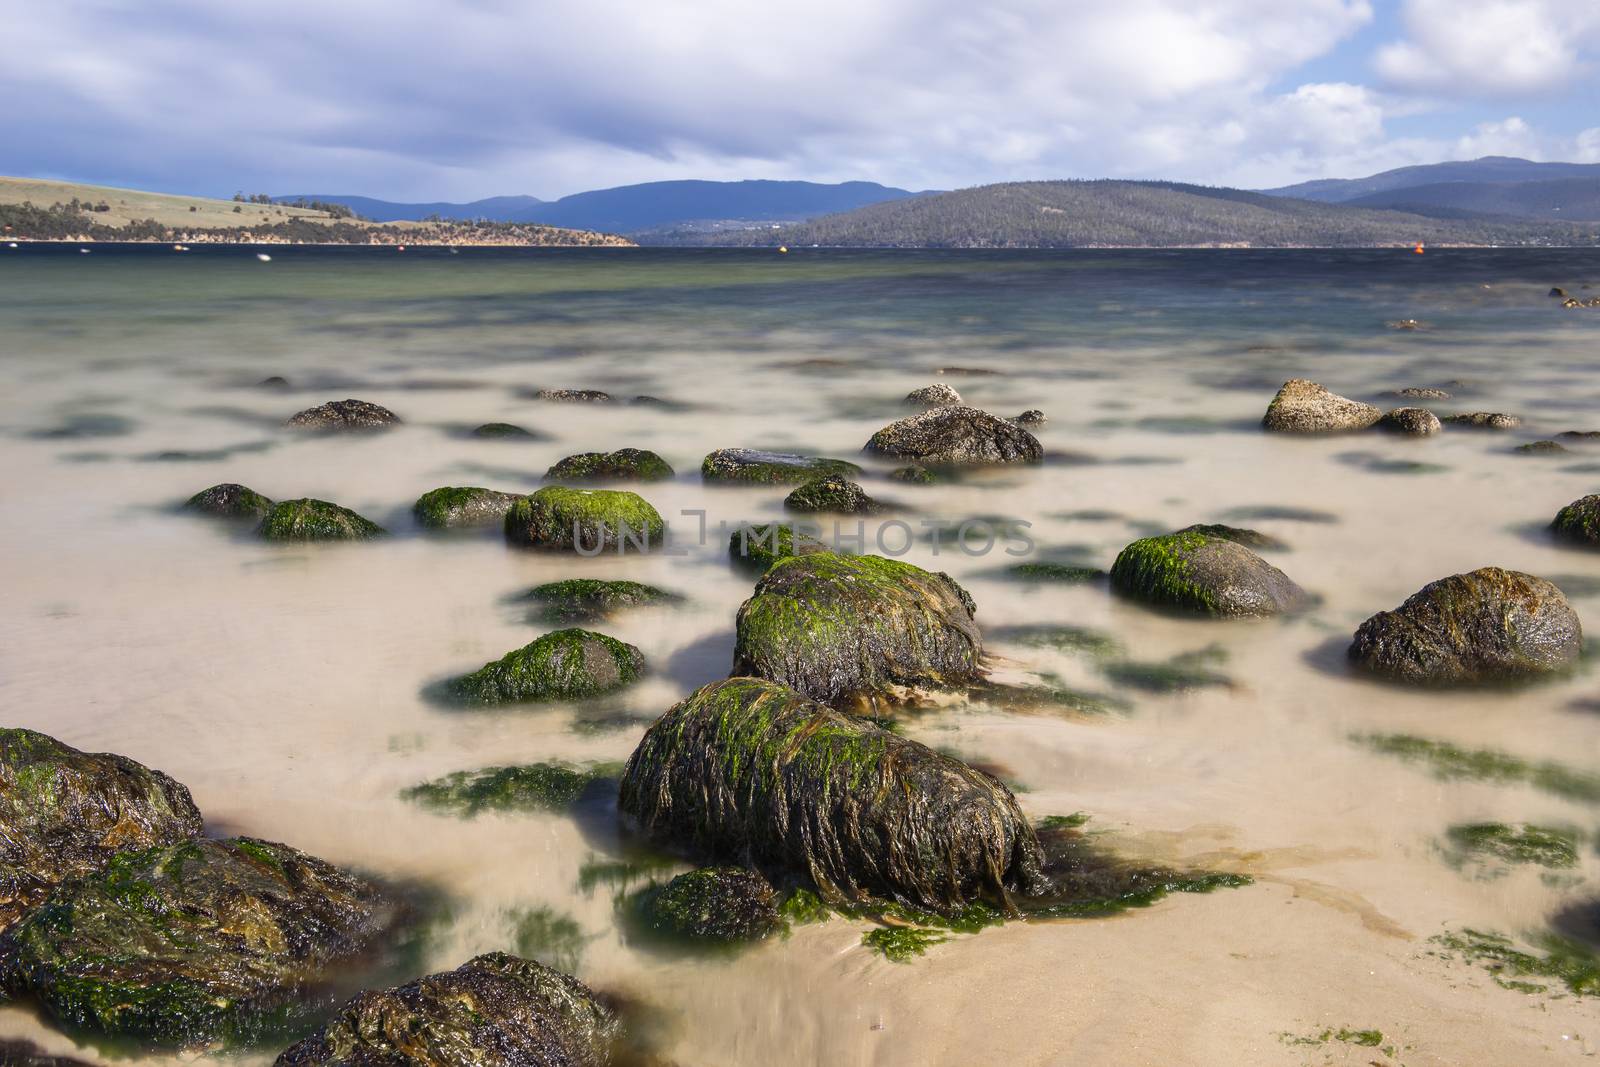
[832, 494]
[623, 465]
[503, 431]
[568, 664]
[1543, 448]
[721, 905]
[551, 786]
[590, 520]
[838, 628]
[915, 475]
[750, 771]
[1579, 522]
[757, 548]
[229, 501]
[64, 813]
[1199, 573]
[1487, 625]
[1252, 539]
[315, 520]
[459, 507]
[194, 942]
[495, 1010]
[1517, 843]
[1303, 406]
[956, 435]
[755, 467]
[594, 599]
[345, 416]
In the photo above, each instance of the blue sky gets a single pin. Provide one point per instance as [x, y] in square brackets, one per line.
[424, 100]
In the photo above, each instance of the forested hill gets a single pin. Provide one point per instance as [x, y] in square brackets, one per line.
[1086, 214]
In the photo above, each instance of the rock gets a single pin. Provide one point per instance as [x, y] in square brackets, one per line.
[837, 628]
[968, 372]
[565, 665]
[646, 401]
[590, 520]
[573, 396]
[1544, 448]
[1303, 406]
[625, 464]
[718, 904]
[342, 416]
[1404, 324]
[1415, 393]
[229, 501]
[747, 770]
[503, 431]
[64, 813]
[495, 1010]
[770, 468]
[592, 599]
[1198, 572]
[956, 435]
[276, 381]
[914, 475]
[455, 507]
[1417, 422]
[759, 547]
[832, 494]
[934, 396]
[195, 941]
[1558, 293]
[1239, 535]
[1485, 420]
[1579, 435]
[315, 520]
[1579, 522]
[1031, 417]
[1487, 625]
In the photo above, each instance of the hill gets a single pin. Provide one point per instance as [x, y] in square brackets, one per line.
[1488, 169]
[494, 208]
[1088, 214]
[1569, 199]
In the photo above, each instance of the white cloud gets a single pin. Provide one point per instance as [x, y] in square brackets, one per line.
[1508, 137]
[1586, 146]
[1491, 47]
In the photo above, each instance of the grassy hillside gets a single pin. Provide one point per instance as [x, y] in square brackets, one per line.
[1087, 214]
[129, 205]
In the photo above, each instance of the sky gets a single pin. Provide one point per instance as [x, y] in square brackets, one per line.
[424, 100]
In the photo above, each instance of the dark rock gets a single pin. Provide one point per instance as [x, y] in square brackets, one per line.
[1558, 293]
[934, 396]
[1485, 420]
[837, 628]
[1543, 448]
[832, 494]
[956, 435]
[770, 468]
[1487, 625]
[565, 665]
[914, 475]
[276, 381]
[592, 599]
[503, 431]
[573, 396]
[455, 507]
[625, 464]
[1579, 522]
[1201, 573]
[315, 520]
[1303, 406]
[1031, 417]
[18, 1053]
[229, 501]
[64, 813]
[717, 904]
[1579, 435]
[1417, 422]
[650, 402]
[342, 416]
[592, 520]
[759, 547]
[747, 770]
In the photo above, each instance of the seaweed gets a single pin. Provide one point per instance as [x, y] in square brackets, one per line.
[1449, 761]
[550, 786]
[1554, 959]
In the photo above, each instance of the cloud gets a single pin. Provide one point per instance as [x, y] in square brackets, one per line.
[1492, 48]
[1508, 137]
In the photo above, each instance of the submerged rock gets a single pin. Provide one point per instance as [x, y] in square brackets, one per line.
[1417, 422]
[339, 416]
[625, 464]
[1578, 435]
[495, 1010]
[1543, 448]
[589, 519]
[1239, 534]
[748, 770]
[770, 468]
[551, 786]
[1303, 406]
[759, 547]
[956, 435]
[1031, 417]
[1199, 572]
[1579, 522]
[837, 628]
[274, 381]
[315, 520]
[934, 396]
[454, 507]
[573, 396]
[64, 813]
[568, 664]
[914, 475]
[1417, 393]
[503, 431]
[1485, 420]
[1487, 625]
[195, 941]
[229, 501]
[718, 904]
[591, 599]
[831, 494]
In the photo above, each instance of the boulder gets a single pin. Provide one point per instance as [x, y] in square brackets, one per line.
[568, 664]
[838, 628]
[1031, 417]
[750, 771]
[1197, 572]
[934, 396]
[1483, 626]
[593, 599]
[1543, 448]
[625, 464]
[229, 501]
[455, 507]
[345, 416]
[591, 520]
[573, 396]
[1485, 420]
[956, 435]
[1557, 292]
[275, 382]
[717, 904]
[1303, 406]
[750, 465]
[196, 941]
[1579, 522]
[315, 520]
[1416, 422]
[503, 431]
[1579, 435]
[758, 547]
[914, 475]
[1417, 393]
[832, 494]
[495, 1010]
[64, 813]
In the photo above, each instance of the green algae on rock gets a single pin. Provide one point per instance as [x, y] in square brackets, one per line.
[1197, 572]
[1048, 571]
[495, 1010]
[1579, 522]
[1554, 958]
[64, 813]
[503, 431]
[756, 467]
[721, 905]
[588, 520]
[623, 465]
[194, 942]
[455, 507]
[1252, 539]
[758, 547]
[915, 475]
[956, 435]
[551, 786]
[594, 599]
[838, 628]
[749, 771]
[1487, 625]
[229, 501]
[832, 494]
[315, 520]
[569, 664]
[1516, 843]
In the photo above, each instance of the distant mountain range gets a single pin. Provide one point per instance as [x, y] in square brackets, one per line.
[1494, 186]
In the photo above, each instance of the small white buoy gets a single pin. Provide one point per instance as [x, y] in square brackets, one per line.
[13, 244]
[263, 257]
[83, 251]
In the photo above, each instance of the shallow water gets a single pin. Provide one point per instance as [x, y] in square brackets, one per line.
[284, 685]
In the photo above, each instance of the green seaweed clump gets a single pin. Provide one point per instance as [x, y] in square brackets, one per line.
[546, 935]
[1449, 761]
[502, 431]
[1062, 638]
[1579, 522]
[1519, 843]
[1182, 672]
[550, 786]
[915, 475]
[1064, 573]
[590, 520]
[1556, 959]
[625, 464]
[902, 944]
[570, 664]
[593, 599]
[722, 905]
[315, 520]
